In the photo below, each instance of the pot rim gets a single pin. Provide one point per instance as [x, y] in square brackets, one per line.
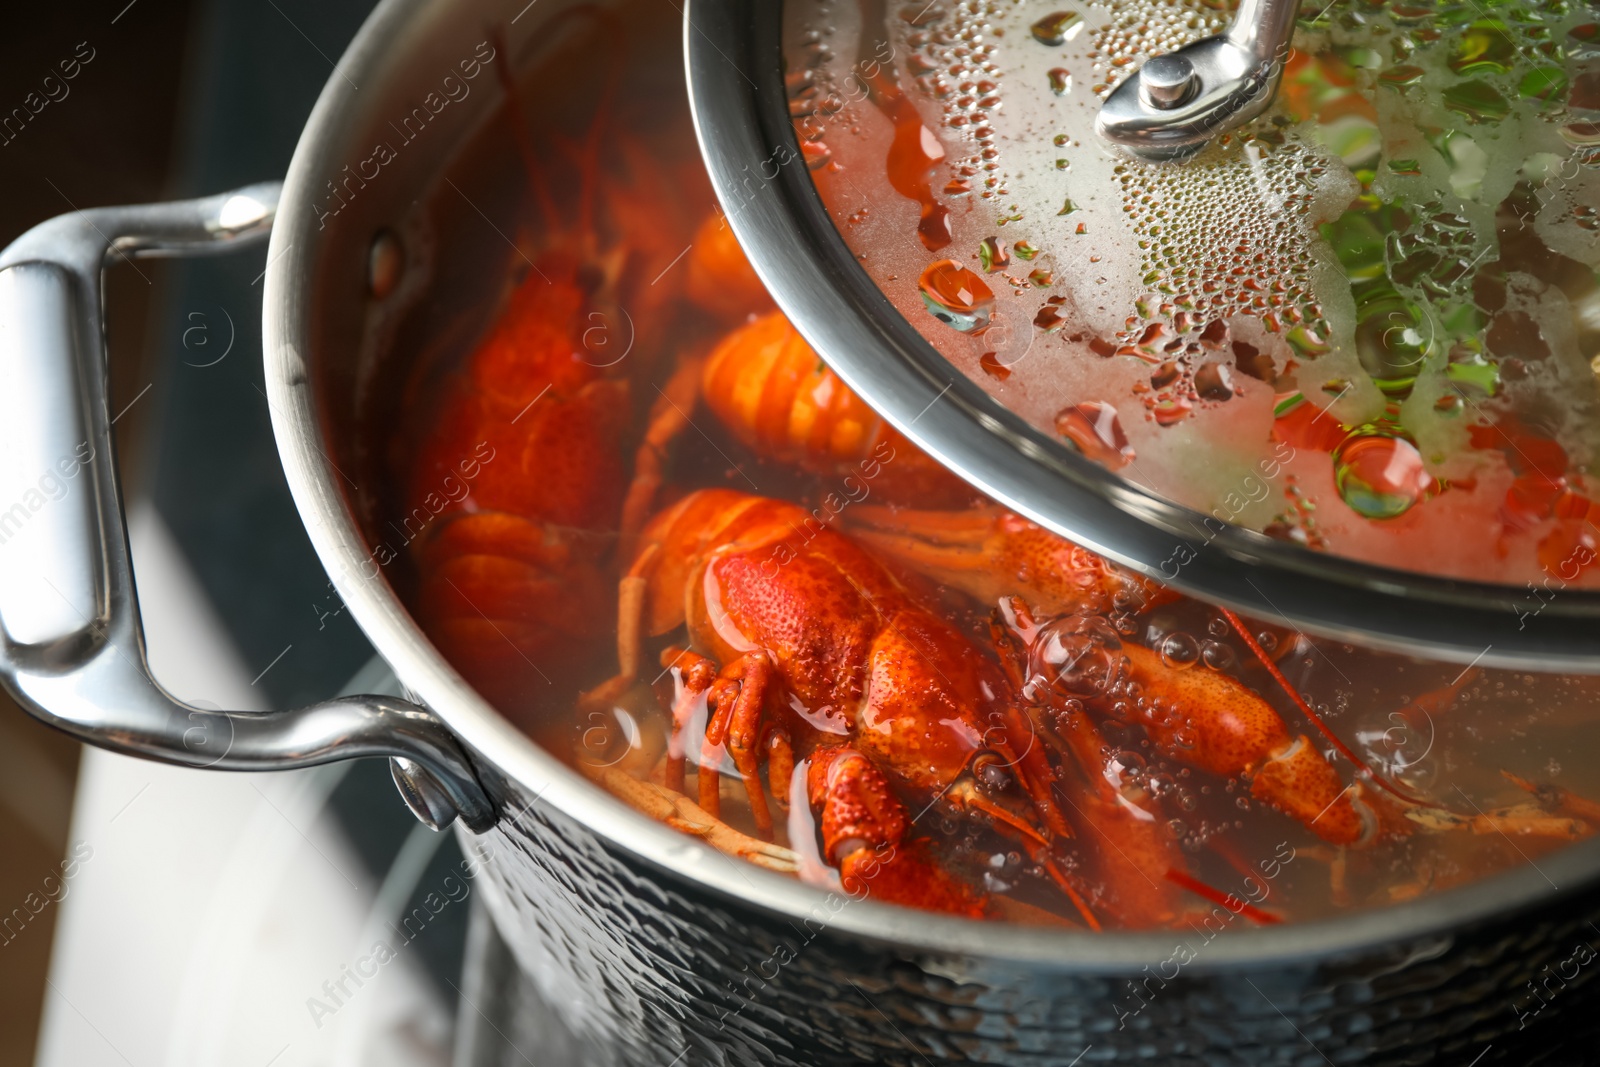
[334, 533]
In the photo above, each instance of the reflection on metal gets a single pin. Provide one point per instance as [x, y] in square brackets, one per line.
[1171, 107]
[72, 644]
[741, 114]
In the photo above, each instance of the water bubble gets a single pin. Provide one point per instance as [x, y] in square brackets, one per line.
[1217, 656]
[1401, 75]
[1179, 650]
[1075, 655]
[817, 155]
[1392, 340]
[1128, 762]
[1581, 134]
[1543, 83]
[1050, 320]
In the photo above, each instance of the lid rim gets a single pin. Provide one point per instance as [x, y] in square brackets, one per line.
[760, 177]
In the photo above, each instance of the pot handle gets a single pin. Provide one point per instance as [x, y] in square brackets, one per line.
[71, 641]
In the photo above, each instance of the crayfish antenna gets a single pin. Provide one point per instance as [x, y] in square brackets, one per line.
[1060, 878]
[1002, 628]
[1216, 896]
[1300, 702]
[1439, 700]
[520, 131]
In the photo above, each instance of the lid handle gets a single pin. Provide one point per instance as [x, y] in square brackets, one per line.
[1174, 104]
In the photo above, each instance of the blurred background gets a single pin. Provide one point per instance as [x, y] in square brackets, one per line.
[181, 902]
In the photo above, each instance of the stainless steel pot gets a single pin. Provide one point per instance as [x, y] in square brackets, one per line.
[653, 948]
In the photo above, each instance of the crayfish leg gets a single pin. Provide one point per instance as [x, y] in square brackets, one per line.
[1528, 820]
[669, 415]
[1438, 700]
[696, 674]
[1033, 770]
[736, 719]
[709, 780]
[1554, 798]
[780, 766]
[631, 594]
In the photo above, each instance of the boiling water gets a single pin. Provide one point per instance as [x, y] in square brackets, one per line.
[1449, 748]
[1351, 323]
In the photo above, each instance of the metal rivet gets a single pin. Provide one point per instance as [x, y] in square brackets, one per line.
[1167, 81]
[386, 261]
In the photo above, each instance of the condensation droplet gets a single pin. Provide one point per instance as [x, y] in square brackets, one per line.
[1380, 476]
[956, 296]
[1094, 427]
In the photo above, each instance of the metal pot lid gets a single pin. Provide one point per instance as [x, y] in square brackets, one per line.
[1333, 370]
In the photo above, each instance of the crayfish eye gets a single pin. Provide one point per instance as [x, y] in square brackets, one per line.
[992, 772]
[1075, 655]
